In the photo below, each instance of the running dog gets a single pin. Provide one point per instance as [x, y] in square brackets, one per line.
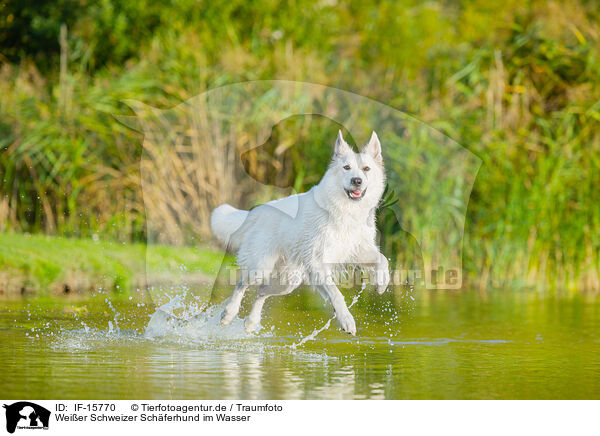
[309, 236]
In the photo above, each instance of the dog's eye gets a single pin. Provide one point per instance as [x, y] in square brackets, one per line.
[365, 169]
[346, 167]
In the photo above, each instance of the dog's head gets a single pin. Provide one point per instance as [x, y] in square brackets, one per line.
[360, 175]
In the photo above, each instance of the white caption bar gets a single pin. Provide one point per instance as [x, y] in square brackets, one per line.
[285, 417]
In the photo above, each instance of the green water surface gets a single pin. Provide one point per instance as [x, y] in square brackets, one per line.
[412, 345]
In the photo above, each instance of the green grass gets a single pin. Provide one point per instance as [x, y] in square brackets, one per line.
[45, 265]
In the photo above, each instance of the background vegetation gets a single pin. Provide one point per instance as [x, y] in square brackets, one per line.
[515, 82]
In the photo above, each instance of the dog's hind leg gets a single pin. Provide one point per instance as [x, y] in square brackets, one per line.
[263, 293]
[233, 307]
[255, 314]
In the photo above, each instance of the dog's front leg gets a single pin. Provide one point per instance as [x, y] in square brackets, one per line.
[382, 272]
[342, 313]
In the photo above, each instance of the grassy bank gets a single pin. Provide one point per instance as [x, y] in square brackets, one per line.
[36, 264]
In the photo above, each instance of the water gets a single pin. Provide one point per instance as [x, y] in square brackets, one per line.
[421, 344]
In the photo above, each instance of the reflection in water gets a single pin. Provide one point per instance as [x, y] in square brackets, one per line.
[450, 345]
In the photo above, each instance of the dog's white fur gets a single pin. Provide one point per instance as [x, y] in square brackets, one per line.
[309, 235]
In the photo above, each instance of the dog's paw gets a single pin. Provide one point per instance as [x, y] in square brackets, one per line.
[227, 317]
[347, 322]
[382, 280]
[251, 324]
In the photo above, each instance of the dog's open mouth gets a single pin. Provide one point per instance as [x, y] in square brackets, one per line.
[355, 194]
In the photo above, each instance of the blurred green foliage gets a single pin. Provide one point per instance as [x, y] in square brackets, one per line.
[516, 82]
[31, 29]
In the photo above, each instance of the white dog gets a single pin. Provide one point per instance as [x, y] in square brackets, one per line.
[308, 236]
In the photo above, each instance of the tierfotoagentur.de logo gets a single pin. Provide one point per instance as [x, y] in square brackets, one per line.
[26, 415]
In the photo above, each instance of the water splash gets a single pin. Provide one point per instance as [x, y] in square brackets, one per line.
[116, 316]
[178, 319]
[315, 333]
[184, 320]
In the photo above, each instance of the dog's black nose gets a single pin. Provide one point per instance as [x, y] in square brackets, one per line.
[356, 181]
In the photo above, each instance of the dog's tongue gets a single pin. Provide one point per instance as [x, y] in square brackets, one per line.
[355, 193]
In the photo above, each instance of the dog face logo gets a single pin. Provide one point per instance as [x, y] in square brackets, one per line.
[26, 415]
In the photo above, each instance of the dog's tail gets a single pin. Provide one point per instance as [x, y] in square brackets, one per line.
[226, 223]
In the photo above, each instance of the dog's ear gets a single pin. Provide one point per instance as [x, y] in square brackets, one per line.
[341, 147]
[373, 148]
